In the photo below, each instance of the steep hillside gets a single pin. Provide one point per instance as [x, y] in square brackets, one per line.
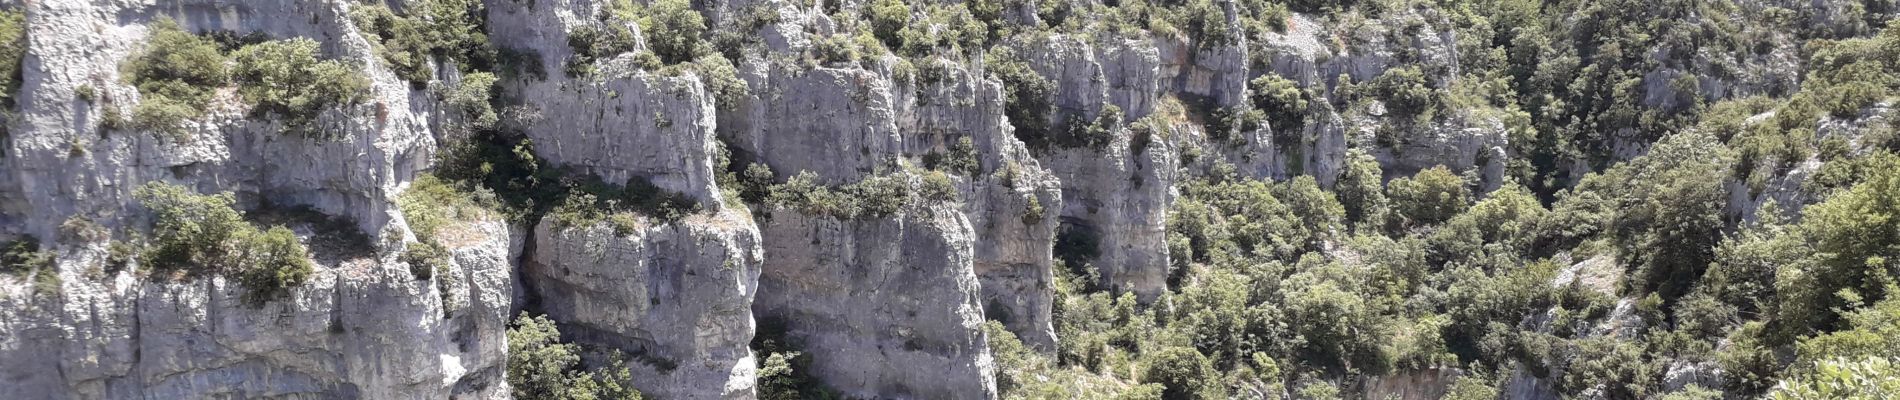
[1051, 199]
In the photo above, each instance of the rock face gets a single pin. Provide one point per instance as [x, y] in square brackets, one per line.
[675, 296]
[362, 327]
[620, 123]
[1013, 256]
[382, 142]
[888, 306]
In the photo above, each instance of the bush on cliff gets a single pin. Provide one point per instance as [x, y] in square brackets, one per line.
[541, 366]
[176, 76]
[287, 79]
[12, 53]
[202, 234]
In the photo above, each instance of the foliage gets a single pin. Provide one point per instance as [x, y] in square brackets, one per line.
[1405, 91]
[1185, 373]
[429, 205]
[274, 262]
[1869, 378]
[1028, 98]
[592, 44]
[23, 255]
[674, 31]
[874, 196]
[12, 53]
[589, 201]
[1855, 248]
[1283, 102]
[426, 33]
[198, 234]
[541, 366]
[1431, 197]
[1361, 190]
[472, 98]
[176, 76]
[960, 158]
[782, 369]
[286, 78]
[179, 73]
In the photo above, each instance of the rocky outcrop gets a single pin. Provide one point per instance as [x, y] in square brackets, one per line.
[619, 123]
[1010, 213]
[1469, 140]
[887, 307]
[1424, 384]
[66, 163]
[674, 296]
[362, 327]
[1788, 187]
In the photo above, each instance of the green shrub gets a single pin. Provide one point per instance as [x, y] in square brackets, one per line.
[1405, 91]
[1361, 190]
[591, 201]
[1844, 378]
[1283, 103]
[782, 369]
[203, 234]
[442, 30]
[274, 262]
[1185, 373]
[873, 197]
[722, 80]
[286, 78]
[674, 31]
[176, 76]
[1431, 197]
[12, 53]
[472, 98]
[938, 187]
[23, 255]
[541, 366]
[192, 232]
[756, 183]
[1027, 97]
[835, 49]
[1094, 135]
[959, 158]
[179, 73]
[425, 259]
[591, 45]
[888, 18]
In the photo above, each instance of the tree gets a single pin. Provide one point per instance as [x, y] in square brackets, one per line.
[274, 262]
[286, 78]
[1361, 190]
[1855, 253]
[674, 31]
[195, 234]
[1185, 374]
[1428, 198]
[192, 232]
[175, 76]
[540, 366]
[1284, 104]
[1405, 91]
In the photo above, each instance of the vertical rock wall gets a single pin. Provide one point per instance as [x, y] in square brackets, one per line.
[888, 307]
[676, 296]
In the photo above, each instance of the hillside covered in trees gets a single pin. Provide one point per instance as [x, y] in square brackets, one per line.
[937, 199]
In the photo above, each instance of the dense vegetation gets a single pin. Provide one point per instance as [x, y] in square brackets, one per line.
[196, 234]
[1600, 270]
[179, 73]
[542, 366]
